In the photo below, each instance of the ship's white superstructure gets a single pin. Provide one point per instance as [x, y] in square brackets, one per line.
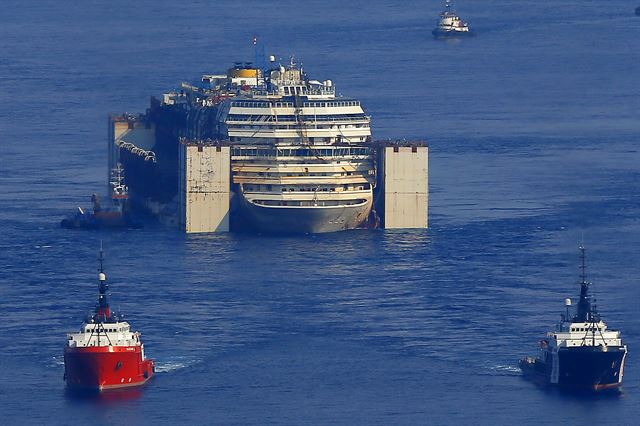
[572, 334]
[104, 334]
[301, 159]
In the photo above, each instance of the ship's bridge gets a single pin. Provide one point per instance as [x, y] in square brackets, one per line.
[572, 334]
[292, 81]
[104, 334]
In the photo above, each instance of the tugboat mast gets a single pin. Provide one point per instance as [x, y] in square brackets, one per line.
[103, 311]
[585, 313]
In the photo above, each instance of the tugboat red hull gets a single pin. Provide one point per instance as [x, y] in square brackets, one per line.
[98, 368]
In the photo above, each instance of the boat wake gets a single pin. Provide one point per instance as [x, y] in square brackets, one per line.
[56, 361]
[504, 370]
[173, 365]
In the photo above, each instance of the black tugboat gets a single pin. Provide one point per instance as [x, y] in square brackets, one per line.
[581, 353]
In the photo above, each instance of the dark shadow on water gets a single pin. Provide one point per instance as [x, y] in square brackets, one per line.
[104, 397]
[574, 394]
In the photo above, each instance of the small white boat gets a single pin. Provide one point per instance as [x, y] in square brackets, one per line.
[450, 24]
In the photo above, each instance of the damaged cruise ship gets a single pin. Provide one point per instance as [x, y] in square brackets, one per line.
[302, 158]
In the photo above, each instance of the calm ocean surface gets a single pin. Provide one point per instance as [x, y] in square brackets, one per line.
[534, 128]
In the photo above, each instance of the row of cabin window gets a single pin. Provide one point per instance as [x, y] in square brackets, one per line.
[305, 189]
[291, 105]
[330, 104]
[302, 90]
[108, 330]
[305, 174]
[295, 90]
[583, 329]
[344, 188]
[265, 140]
[302, 152]
[291, 126]
[282, 118]
[251, 104]
[262, 104]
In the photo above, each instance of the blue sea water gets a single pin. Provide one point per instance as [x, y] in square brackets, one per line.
[533, 128]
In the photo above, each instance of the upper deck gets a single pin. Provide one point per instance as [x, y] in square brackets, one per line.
[574, 334]
[104, 334]
[250, 82]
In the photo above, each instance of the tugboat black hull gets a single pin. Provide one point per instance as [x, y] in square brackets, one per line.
[100, 221]
[590, 368]
[584, 368]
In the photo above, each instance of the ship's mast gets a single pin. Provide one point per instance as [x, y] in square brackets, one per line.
[103, 311]
[586, 312]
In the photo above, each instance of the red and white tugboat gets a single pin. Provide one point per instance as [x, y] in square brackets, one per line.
[105, 354]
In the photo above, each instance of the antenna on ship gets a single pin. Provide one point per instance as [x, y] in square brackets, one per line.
[586, 312]
[583, 267]
[103, 311]
[259, 57]
[255, 51]
[101, 260]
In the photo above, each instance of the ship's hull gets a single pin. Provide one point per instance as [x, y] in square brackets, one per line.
[99, 368]
[99, 221]
[438, 33]
[582, 368]
[299, 220]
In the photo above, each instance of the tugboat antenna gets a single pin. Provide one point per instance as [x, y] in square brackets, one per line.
[101, 258]
[583, 267]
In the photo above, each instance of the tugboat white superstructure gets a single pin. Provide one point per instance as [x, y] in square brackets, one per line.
[450, 24]
[582, 353]
[106, 353]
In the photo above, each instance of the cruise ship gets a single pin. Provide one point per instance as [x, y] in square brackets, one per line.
[302, 157]
[301, 160]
